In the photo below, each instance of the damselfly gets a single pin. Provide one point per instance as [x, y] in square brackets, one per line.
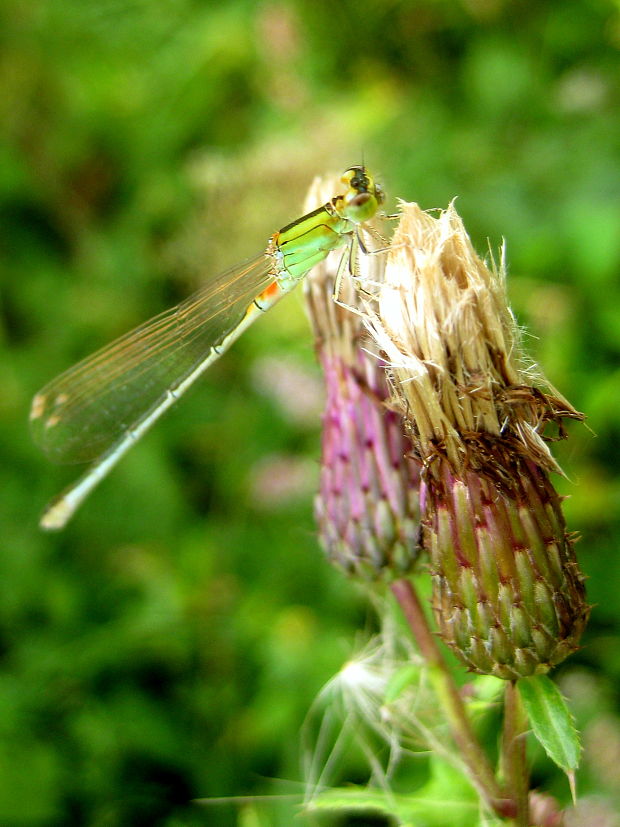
[99, 408]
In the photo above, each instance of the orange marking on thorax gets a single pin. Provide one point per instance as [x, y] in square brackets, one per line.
[269, 292]
[266, 296]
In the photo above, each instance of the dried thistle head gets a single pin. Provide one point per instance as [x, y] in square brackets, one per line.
[508, 596]
[367, 507]
[455, 350]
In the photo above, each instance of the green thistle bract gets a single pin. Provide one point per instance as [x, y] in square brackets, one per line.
[507, 593]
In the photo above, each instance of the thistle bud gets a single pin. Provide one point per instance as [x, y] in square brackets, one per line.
[507, 593]
[508, 596]
[367, 508]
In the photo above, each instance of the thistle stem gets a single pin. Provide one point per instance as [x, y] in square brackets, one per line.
[452, 703]
[514, 761]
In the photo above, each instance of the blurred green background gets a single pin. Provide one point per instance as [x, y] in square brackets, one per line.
[168, 644]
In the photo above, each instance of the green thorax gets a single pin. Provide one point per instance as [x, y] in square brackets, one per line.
[301, 245]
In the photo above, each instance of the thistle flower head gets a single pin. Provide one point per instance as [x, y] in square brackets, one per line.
[507, 593]
[367, 507]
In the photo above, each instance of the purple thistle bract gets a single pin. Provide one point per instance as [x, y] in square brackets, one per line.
[367, 508]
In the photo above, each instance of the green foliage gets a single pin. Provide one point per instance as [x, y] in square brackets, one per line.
[446, 799]
[551, 721]
[167, 646]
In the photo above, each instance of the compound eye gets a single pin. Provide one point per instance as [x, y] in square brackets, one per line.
[360, 180]
[356, 178]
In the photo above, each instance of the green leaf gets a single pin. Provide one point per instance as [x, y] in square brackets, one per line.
[486, 691]
[551, 721]
[400, 681]
[447, 798]
[353, 799]
[411, 810]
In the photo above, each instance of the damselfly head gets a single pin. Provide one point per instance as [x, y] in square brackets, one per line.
[363, 197]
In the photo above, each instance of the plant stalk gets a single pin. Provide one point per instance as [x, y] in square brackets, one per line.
[481, 771]
[514, 763]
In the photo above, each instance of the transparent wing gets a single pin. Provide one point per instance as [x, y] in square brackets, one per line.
[81, 413]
